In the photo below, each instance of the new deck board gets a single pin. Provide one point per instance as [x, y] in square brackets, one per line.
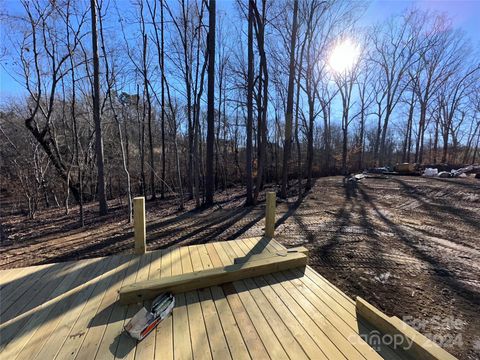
[18, 335]
[114, 324]
[250, 335]
[164, 331]
[198, 329]
[182, 347]
[126, 345]
[70, 310]
[89, 314]
[58, 315]
[272, 344]
[313, 317]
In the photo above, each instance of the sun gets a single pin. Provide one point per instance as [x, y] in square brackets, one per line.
[344, 56]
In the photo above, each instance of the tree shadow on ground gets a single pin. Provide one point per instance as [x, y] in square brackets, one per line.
[189, 228]
[341, 221]
[439, 268]
[63, 224]
[293, 207]
[444, 211]
[332, 249]
[457, 182]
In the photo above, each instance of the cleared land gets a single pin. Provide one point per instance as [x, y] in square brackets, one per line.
[408, 245]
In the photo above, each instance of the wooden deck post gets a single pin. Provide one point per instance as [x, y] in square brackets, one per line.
[139, 224]
[270, 214]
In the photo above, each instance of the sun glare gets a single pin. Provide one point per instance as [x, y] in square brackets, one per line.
[344, 56]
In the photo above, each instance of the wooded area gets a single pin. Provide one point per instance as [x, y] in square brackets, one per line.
[115, 103]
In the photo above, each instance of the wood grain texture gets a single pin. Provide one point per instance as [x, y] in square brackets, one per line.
[270, 215]
[139, 225]
[70, 310]
[145, 290]
[416, 345]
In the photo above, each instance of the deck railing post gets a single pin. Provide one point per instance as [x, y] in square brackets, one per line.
[139, 224]
[270, 214]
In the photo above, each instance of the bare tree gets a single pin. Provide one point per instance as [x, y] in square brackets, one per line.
[42, 69]
[110, 75]
[209, 182]
[395, 47]
[415, 91]
[147, 105]
[249, 150]
[439, 59]
[345, 81]
[102, 199]
[262, 97]
[159, 40]
[289, 110]
[451, 96]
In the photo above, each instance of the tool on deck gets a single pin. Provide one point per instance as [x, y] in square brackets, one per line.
[145, 321]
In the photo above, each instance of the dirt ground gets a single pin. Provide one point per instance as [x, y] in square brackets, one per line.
[408, 245]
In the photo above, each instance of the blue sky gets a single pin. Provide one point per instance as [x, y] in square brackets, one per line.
[464, 13]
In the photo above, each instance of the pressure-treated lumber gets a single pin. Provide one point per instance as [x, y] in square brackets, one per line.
[140, 291]
[266, 255]
[415, 344]
[238, 320]
[139, 225]
[270, 215]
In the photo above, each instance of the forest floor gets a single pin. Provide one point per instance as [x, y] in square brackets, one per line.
[408, 245]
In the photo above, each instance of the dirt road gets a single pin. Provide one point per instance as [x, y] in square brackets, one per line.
[408, 245]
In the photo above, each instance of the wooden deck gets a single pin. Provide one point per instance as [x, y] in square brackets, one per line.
[70, 311]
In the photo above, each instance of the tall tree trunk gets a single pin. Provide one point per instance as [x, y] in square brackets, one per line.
[177, 161]
[409, 144]
[421, 129]
[102, 200]
[162, 69]
[344, 150]
[77, 141]
[67, 194]
[117, 121]
[160, 44]
[297, 137]
[249, 149]
[408, 133]
[297, 109]
[149, 116]
[382, 148]
[209, 179]
[141, 143]
[289, 112]
[435, 141]
[258, 180]
[262, 100]
[376, 145]
[310, 90]
[311, 124]
[346, 96]
[197, 155]
[326, 134]
[361, 140]
[299, 155]
[445, 136]
[218, 151]
[127, 173]
[263, 150]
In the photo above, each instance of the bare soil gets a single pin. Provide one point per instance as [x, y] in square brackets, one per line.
[408, 245]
